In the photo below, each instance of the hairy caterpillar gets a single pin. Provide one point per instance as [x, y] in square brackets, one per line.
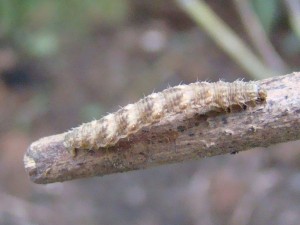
[199, 97]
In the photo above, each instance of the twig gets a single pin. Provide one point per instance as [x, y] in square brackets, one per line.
[293, 7]
[259, 37]
[225, 37]
[176, 140]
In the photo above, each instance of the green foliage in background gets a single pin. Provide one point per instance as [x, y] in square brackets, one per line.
[268, 12]
[37, 25]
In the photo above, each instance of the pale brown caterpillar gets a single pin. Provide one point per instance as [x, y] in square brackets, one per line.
[199, 97]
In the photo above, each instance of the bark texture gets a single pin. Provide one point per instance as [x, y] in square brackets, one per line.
[177, 139]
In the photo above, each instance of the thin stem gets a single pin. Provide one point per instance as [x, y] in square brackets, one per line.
[225, 38]
[293, 7]
[259, 37]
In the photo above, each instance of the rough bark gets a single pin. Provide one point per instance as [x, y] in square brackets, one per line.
[177, 139]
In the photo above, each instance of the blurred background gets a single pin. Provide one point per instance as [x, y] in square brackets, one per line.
[63, 63]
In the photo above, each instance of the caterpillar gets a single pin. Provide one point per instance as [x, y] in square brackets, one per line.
[199, 97]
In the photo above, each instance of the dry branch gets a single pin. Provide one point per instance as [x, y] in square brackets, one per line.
[176, 139]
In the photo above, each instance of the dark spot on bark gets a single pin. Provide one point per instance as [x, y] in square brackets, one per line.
[191, 134]
[234, 152]
[244, 106]
[224, 120]
[271, 103]
[91, 152]
[181, 128]
[252, 129]
[200, 117]
[32, 172]
[286, 97]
